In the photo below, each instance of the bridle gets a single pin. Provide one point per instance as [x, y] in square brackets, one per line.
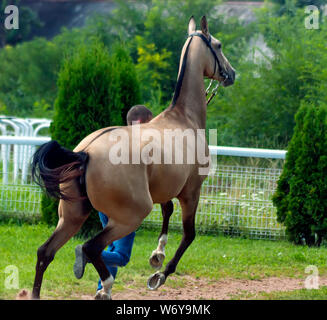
[222, 74]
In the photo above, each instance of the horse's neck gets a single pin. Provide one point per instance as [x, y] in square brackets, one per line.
[191, 101]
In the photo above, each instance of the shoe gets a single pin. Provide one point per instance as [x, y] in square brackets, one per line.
[80, 262]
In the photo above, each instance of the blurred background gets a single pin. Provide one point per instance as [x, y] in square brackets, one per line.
[280, 64]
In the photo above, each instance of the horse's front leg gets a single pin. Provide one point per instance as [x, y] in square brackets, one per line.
[189, 205]
[158, 255]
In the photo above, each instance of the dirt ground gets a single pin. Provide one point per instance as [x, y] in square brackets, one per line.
[203, 289]
[197, 289]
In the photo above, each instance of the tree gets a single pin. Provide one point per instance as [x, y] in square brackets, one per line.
[29, 71]
[94, 91]
[28, 74]
[301, 195]
[129, 89]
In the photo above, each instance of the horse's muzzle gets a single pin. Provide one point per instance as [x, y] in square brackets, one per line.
[230, 78]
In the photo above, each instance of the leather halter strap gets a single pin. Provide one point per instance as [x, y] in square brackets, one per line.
[182, 72]
[208, 43]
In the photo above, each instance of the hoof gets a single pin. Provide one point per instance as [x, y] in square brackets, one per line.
[157, 258]
[101, 295]
[24, 295]
[156, 280]
[80, 261]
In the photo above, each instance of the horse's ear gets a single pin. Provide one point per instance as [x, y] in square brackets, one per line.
[204, 26]
[191, 25]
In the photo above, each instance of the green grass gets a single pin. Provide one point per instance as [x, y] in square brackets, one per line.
[209, 256]
[300, 294]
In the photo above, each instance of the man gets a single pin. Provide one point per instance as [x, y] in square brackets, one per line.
[138, 114]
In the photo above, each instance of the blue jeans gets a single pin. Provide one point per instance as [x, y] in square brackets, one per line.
[118, 253]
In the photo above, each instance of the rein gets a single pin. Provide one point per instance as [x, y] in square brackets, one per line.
[181, 75]
[214, 91]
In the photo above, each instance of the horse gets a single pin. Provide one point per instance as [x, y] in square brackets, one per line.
[125, 192]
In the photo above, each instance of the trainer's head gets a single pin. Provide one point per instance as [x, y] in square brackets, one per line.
[139, 114]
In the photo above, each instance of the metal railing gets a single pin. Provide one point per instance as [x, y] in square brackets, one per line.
[12, 128]
[18, 195]
[235, 199]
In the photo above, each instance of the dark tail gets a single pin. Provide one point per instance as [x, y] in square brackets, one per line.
[53, 164]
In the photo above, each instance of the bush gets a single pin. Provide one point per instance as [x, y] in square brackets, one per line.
[94, 91]
[301, 195]
[129, 89]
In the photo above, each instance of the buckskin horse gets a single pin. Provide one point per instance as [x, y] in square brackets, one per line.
[84, 178]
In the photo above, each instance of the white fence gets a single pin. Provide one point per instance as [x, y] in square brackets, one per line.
[235, 200]
[18, 141]
[11, 129]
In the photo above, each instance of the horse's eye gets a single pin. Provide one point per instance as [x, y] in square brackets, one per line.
[219, 46]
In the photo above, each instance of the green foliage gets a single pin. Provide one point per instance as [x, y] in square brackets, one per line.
[28, 74]
[155, 30]
[49, 210]
[301, 195]
[168, 20]
[95, 90]
[123, 23]
[258, 110]
[153, 33]
[90, 95]
[289, 6]
[128, 83]
[151, 66]
[300, 3]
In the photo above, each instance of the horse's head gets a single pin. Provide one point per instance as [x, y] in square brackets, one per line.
[216, 66]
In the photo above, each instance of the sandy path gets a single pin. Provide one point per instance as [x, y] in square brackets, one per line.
[196, 289]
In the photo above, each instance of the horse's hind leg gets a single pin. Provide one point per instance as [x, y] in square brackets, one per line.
[72, 215]
[189, 205]
[158, 255]
[93, 248]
